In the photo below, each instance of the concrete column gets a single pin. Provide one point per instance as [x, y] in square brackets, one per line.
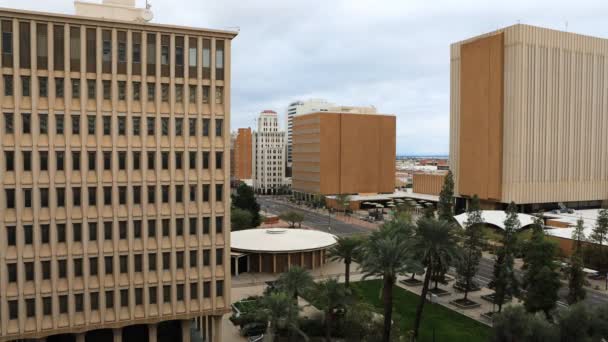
[152, 333]
[274, 263]
[236, 266]
[217, 329]
[186, 330]
[117, 335]
[80, 337]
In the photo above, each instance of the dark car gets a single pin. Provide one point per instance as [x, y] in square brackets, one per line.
[254, 329]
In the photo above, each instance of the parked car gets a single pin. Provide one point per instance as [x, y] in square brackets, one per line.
[254, 329]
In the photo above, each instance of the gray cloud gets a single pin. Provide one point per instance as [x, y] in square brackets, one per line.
[393, 54]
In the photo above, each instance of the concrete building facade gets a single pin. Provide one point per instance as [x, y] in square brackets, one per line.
[299, 108]
[114, 207]
[268, 160]
[528, 118]
[243, 154]
[343, 153]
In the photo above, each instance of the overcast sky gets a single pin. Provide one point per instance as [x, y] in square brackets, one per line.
[393, 54]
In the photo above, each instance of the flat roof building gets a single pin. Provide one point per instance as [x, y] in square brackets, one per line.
[114, 183]
[343, 153]
[529, 118]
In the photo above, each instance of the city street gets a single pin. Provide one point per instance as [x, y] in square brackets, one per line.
[319, 221]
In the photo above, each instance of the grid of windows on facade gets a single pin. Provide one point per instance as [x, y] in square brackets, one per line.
[108, 125]
[110, 299]
[187, 54]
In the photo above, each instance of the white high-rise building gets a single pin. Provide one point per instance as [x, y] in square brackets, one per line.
[268, 154]
[298, 108]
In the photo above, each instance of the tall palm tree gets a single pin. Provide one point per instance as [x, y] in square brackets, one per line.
[345, 250]
[435, 243]
[330, 295]
[295, 281]
[279, 310]
[386, 255]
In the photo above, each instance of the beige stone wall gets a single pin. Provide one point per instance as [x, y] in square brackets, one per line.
[555, 116]
[129, 222]
[428, 183]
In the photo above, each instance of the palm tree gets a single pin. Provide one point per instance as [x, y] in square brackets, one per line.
[386, 255]
[345, 250]
[330, 295]
[435, 243]
[295, 282]
[279, 309]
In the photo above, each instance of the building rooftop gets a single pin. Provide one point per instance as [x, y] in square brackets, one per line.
[496, 218]
[280, 240]
[589, 217]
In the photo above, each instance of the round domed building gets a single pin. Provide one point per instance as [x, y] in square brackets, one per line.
[275, 250]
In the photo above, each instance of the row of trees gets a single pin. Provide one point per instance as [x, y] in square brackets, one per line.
[435, 243]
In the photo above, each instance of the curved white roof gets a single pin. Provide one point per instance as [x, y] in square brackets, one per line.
[496, 218]
[280, 240]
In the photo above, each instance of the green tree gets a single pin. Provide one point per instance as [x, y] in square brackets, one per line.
[578, 235]
[245, 199]
[471, 245]
[504, 282]
[330, 296]
[576, 276]
[445, 207]
[292, 218]
[295, 281]
[540, 280]
[280, 311]
[343, 201]
[345, 250]
[599, 323]
[514, 324]
[599, 234]
[574, 324]
[435, 244]
[240, 219]
[385, 254]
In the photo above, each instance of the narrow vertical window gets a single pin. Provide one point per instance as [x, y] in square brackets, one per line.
[106, 36]
[58, 46]
[192, 57]
[219, 60]
[24, 45]
[206, 59]
[42, 46]
[136, 53]
[91, 50]
[7, 43]
[75, 48]
[151, 54]
[122, 52]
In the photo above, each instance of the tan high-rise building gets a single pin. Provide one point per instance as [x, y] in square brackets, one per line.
[343, 153]
[529, 118]
[242, 154]
[114, 189]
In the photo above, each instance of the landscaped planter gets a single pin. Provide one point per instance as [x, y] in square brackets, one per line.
[411, 282]
[439, 292]
[488, 315]
[465, 304]
[490, 298]
[458, 286]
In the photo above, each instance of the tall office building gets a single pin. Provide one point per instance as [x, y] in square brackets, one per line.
[114, 207]
[268, 161]
[298, 108]
[243, 154]
[343, 153]
[529, 118]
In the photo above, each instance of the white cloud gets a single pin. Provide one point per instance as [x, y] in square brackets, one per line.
[393, 54]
